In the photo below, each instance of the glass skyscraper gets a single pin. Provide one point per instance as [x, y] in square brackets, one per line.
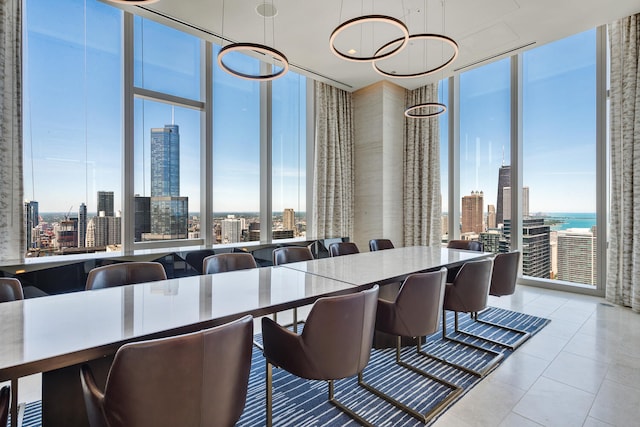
[169, 211]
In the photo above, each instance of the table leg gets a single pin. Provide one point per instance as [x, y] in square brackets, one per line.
[14, 402]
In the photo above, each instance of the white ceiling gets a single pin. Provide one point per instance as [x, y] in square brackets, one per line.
[484, 29]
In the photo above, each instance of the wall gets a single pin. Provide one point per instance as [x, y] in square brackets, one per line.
[379, 133]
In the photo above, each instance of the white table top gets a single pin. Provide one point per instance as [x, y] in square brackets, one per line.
[386, 265]
[47, 333]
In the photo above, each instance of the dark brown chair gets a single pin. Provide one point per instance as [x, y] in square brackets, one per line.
[380, 244]
[287, 255]
[414, 313]
[335, 343]
[126, 273]
[195, 258]
[503, 282]
[469, 245]
[10, 290]
[221, 263]
[468, 294]
[192, 380]
[5, 400]
[343, 248]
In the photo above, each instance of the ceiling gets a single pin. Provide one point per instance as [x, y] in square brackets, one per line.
[484, 30]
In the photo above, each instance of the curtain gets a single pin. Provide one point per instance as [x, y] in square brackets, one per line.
[422, 199]
[11, 193]
[623, 277]
[333, 184]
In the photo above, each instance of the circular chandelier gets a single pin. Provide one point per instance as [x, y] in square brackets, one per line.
[425, 36]
[412, 113]
[383, 19]
[253, 47]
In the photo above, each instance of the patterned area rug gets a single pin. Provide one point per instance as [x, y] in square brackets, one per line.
[300, 403]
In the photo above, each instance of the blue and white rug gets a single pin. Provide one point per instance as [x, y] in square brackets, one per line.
[303, 403]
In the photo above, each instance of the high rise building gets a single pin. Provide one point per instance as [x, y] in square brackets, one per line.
[142, 224]
[536, 248]
[82, 226]
[491, 217]
[577, 256]
[31, 221]
[288, 219]
[232, 229]
[169, 211]
[507, 202]
[105, 202]
[472, 213]
[491, 240]
[504, 180]
[67, 233]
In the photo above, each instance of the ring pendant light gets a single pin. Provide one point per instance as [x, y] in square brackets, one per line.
[412, 113]
[425, 36]
[383, 19]
[134, 2]
[275, 55]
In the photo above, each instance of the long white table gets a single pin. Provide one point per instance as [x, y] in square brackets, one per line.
[54, 334]
[386, 266]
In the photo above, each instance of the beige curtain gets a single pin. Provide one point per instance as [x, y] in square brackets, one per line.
[11, 194]
[623, 278]
[333, 172]
[422, 199]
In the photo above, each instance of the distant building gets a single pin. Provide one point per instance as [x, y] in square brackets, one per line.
[105, 202]
[282, 234]
[536, 248]
[507, 202]
[31, 221]
[169, 211]
[491, 217]
[577, 256]
[82, 226]
[491, 240]
[504, 180]
[142, 206]
[232, 229]
[288, 219]
[67, 233]
[472, 213]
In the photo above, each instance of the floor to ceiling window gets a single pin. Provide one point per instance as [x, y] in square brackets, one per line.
[288, 147]
[559, 160]
[72, 89]
[443, 124]
[484, 155]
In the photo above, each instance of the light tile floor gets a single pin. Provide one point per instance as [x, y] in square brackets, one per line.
[583, 369]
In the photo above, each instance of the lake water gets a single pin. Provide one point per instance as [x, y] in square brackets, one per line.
[563, 221]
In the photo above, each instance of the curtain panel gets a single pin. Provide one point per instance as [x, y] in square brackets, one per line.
[11, 192]
[333, 185]
[623, 276]
[422, 201]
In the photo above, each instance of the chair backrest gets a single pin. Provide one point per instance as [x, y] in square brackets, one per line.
[338, 335]
[380, 244]
[221, 263]
[417, 308]
[195, 258]
[289, 254]
[126, 273]
[505, 273]
[469, 245]
[469, 291]
[343, 248]
[10, 290]
[5, 399]
[198, 379]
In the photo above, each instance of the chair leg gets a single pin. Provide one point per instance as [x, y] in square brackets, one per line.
[269, 394]
[344, 408]
[524, 335]
[497, 356]
[423, 417]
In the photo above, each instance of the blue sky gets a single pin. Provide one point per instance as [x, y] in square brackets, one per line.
[73, 111]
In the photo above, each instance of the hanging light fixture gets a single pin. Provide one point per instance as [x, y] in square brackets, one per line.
[369, 19]
[134, 2]
[426, 37]
[432, 109]
[276, 56]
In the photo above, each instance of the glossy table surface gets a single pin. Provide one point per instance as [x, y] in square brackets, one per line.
[387, 265]
[41, 334]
